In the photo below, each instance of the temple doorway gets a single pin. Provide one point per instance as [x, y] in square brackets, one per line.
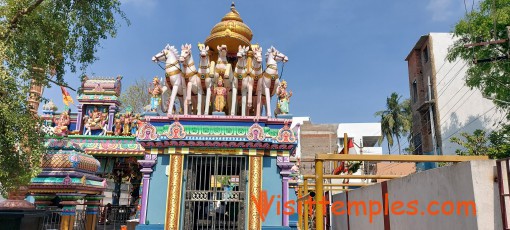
[215, 192]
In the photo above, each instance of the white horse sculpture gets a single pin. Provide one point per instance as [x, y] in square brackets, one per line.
[223, 69]
[273, 56]
[253, 73]
[194, 83]
[173, 75]
[206, 69]
[239, 73]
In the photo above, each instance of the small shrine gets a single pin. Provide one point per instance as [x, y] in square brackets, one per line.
[68, 175]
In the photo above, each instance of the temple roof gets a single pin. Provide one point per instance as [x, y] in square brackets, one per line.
[231, 31]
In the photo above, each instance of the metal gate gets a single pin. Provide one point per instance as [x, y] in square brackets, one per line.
[215, 195]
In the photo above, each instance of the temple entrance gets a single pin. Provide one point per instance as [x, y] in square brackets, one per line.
[215, 195]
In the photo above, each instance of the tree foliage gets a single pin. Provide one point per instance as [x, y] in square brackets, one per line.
[396, 120]
[478, 26]
[495, 145]
[45, 35]
[487, 22]
[136, 96]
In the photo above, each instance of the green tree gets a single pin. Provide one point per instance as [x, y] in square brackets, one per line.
[47, 36]
[476, 144]
[486, 22]
[395, 120]
[136, 96]
[495, 145]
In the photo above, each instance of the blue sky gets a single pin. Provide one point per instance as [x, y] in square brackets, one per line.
[345, 57]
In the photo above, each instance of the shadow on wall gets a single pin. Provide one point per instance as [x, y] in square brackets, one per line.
[455, 128]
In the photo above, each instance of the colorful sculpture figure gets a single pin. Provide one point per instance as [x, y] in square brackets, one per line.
[126, 128]
[134, 124]
[220, 94]
[61, 124]
[104, 124]
[155, 93]
[88, 121]
[94, 120]
[283, 98]
[118, 125]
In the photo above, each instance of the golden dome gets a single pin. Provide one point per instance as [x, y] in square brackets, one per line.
[231, 31]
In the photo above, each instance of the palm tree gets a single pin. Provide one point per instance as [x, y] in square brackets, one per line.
[386, 127]
[395, 120]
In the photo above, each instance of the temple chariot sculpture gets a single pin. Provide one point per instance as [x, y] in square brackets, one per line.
[227, 55]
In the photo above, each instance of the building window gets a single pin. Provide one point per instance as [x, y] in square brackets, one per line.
[415, 91]
[426, 54]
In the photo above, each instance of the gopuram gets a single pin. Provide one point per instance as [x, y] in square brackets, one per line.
[208, 143]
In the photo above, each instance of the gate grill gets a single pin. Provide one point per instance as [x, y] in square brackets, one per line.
[215, 195]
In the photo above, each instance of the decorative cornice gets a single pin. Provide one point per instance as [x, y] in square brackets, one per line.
[267, 120]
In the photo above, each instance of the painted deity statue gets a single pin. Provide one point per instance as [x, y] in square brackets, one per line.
[118, 124]
[61, 124]
[220, 94]
[155, 93]
[126, 126]
[88, 122]
[134, 124]
[283, 98]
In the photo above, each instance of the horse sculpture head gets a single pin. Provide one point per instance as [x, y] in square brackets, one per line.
[204, 50]
[257, 53]
[243, 51]
[276, 55]
[185, 53]
[222, 51]
[164, 54]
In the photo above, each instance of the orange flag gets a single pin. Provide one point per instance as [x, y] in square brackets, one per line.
[67, 98]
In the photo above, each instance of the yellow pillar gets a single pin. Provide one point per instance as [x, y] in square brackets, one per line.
[69, 202]
[319, 195]
[300, 207]
[92, 202]
[255, 189]
[305, 192]
[173, 206]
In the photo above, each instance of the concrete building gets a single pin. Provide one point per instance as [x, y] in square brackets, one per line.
[313, 139]
[329, 138]
[452, 106]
